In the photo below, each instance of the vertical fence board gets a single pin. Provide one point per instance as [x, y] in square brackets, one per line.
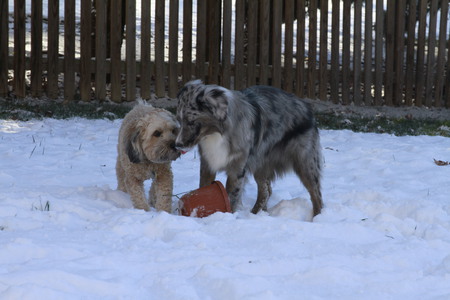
[439, 84]
[410, 53]
[213, 29]
[252, 30]
[399, 51]
[69, 50]
[431, 67]
[300, 67]
[276, 43]
[145, 71]
[100, 50]
[357, 50]
[36, 48]
[323, 59]
[131, 50]
[379, 27]
[264, 25]
[173, 48]
[226, 44]
[115, 47]
[288, 45]
[335, 34]
[53, 49]
[389, 63]
[368, 39]
[346, 53]
[420, 67]
[159, 48]
[239, 46]
[187, 40]
[86, 50]
[447, 84]
[19, 48]
[4, 34]
[201, 40]
[312, 49]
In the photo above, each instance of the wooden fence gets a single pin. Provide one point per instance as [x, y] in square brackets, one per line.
[366, 52]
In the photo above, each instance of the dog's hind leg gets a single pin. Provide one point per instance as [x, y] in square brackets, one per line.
[308, 170]
[120, 173]
[264, 193]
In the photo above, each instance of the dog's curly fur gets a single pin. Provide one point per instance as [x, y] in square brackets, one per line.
[260, 130]
[145, 150]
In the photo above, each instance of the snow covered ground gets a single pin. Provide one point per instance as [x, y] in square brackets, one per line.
[66, 233]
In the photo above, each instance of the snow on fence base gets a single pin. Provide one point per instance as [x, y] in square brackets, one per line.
[366, 52]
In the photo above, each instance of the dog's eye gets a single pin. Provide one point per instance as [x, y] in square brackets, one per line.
[157, 133]
[175, 131]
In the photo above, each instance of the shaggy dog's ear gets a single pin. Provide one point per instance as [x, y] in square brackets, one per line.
[134, 149]
[215, 99]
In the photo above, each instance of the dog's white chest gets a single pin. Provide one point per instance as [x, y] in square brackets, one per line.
[215, 150]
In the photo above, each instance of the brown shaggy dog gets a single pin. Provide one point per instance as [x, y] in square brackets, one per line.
[145, 150]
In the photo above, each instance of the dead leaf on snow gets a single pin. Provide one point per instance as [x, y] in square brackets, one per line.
[441, 162]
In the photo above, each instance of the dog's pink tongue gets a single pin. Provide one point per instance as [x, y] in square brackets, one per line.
[183, 152]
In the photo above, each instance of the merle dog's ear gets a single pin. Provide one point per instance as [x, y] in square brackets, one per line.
[134, 149]
[215, 99]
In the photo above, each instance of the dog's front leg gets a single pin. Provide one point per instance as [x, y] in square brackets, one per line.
[235, 184]
[135, 188]
[161, 190]
[206, 175]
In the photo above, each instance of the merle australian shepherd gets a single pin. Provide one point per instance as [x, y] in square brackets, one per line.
[260, 130]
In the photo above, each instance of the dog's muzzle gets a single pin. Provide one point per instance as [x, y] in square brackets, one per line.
[181, 149]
